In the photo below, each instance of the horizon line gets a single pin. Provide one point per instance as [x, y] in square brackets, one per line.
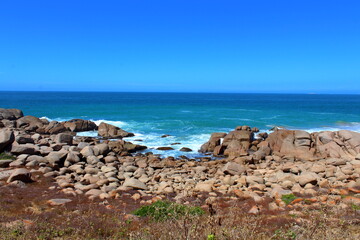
[182, 92]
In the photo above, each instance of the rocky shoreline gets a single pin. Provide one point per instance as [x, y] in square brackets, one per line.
[321, 167]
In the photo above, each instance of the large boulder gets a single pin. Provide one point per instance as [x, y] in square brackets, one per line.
[234, 168]
[28, 148]
[10, 114]
[53, 127]
[80, 125]
[111, 131]
[64, 138]
[29, 123]
[20, 174]
[6, 139]
[135, 184]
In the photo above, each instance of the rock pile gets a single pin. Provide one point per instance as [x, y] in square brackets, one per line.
[256, 166]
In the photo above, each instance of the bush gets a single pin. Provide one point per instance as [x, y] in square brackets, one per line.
[162, 210]
[288, 198]
[6, 156]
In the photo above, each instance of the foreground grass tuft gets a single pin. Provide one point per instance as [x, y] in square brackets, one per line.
[288, 198]
[162, 210]
[6, 156]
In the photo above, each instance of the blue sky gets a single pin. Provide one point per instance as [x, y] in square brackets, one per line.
[275, 46]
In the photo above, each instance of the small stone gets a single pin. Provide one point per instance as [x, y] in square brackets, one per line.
[58, 201]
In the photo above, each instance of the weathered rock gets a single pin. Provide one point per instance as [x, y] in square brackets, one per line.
[164, 148]
[111, 131]
[30, 123]
[87, 151]
[5, 163]
[103, 148]
[58, 201]
[234, 168]
[6, 139]
[134, 183]
[307, 177]
[20, 174]
[204, 186]
[215, 140]
[122, 146]
[185, 149]
[23, 149]
[80, 125]
[64, 138]
[53, 127]
[10, 114]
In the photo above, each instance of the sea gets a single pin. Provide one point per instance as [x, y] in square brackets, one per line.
[190, 118]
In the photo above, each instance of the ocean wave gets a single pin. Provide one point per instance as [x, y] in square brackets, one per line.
[115, 123]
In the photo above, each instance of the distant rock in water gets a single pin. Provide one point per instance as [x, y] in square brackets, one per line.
[185, 149]
[165, 148]
[111, 131]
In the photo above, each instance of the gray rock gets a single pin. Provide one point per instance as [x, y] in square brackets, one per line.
[10, 114]
[72, 157]
[307, 177]
[23, 149]
[21, 174]
[6, 139]
[17, 163]
[336, 161]
[111, 131]
[87, 151]
[5, 163]
[64, 138]
[234, 168]
[102, 148]
[134, 183]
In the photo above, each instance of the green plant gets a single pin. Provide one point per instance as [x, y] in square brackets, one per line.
[284, 235]
[355, 207]
[6, 156]
[288, 198]
[211, 237]
[162, 210]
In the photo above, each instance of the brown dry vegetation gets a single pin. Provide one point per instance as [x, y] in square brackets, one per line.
[24, 214]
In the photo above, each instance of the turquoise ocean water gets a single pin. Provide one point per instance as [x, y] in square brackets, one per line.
[190, 118]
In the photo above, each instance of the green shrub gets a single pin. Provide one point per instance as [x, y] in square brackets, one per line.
[162, 210]
[6, 156]
[288, 198]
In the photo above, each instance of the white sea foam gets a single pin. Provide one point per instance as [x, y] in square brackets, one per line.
[115, 123]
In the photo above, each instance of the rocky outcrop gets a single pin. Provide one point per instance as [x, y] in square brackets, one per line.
[215, 140]
[303, 145]
[10, 114]
[235, 143]
[110, 131]
[284, 143]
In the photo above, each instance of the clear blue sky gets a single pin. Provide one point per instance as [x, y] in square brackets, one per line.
[296, 46]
